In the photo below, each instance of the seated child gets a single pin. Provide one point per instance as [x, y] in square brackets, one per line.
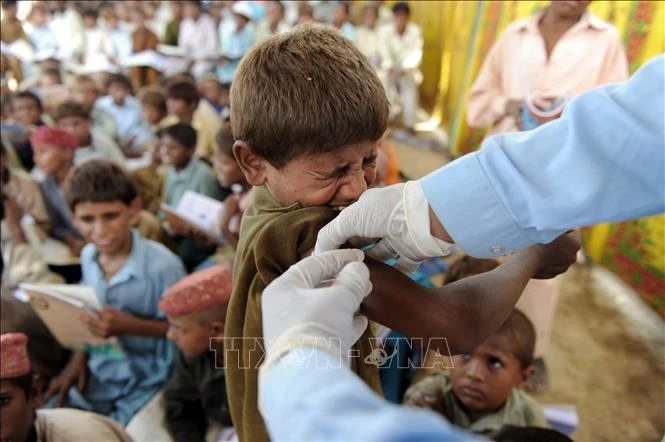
[23, 191]
[84, 91]
[153, 107]
[196, 392]
[73, 118]
[143, 39]
[54, 155]
[186, 172]
[133, 131]
[230, 176]
[129, 275]
[307, 113]
[22, 421]
[185, 106]
[482, 392]
[211, 91]
[27, 112]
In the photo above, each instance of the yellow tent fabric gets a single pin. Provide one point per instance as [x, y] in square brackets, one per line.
[457, 36]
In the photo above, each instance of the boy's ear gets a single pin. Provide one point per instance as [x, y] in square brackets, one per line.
[252, 165]
[527, 374]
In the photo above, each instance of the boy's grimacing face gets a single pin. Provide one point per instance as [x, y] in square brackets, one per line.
[483, 379]
[335, 179]
[191, 336]
[16, 411]
[106, 224]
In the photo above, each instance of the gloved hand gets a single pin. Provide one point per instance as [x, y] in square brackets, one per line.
[398, 215]
[301, 308]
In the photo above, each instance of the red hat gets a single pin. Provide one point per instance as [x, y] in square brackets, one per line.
[198, 291]
[53, 136]
[14, 361]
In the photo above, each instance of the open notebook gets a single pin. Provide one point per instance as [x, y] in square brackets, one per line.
[61, 307]
[198, 212]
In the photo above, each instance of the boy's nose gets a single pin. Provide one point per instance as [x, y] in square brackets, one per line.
[355, 187]
[475, 370]
[170, 334]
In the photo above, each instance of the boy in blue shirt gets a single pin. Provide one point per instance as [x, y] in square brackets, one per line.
[187, 172]
[129, 274]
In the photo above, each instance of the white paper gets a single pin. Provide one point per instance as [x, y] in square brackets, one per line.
[61, 307]
[145, 58]
[202, 212]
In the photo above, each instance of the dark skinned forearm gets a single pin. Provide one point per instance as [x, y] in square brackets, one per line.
[465, 312]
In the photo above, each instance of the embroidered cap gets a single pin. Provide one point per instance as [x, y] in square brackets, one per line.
[14, 360]
[53, 136]
[198, 291]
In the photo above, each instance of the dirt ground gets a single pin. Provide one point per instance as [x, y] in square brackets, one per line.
[607, 351]
[607, 357]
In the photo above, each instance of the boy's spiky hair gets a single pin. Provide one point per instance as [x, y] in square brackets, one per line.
[306, 92]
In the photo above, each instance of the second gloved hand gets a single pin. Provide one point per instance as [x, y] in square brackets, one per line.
[398, 216]
[302, 308]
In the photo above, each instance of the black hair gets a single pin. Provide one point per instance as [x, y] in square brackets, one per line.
[121, 80]
[24, 382]
[30, 96]
[99, 181]
[401, 8]
[181, 132]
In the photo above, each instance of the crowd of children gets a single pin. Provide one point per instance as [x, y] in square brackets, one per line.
[90, 159]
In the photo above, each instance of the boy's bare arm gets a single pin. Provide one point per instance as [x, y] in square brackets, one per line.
[467, 311]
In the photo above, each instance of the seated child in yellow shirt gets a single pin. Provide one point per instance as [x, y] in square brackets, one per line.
[307, 113]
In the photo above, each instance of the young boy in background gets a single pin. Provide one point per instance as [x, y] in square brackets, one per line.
[187, 172]
[483, 392]
[72, 117]
[153, 107]
[54, 155]
[129, 275]
[83, 90]
[21, 419]
[185, 106]
[196, 392]
[307, 113]
[230, 176]
[27, 111]
[133, 131]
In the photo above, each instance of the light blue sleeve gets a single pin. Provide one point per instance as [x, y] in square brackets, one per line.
[602, 161]
[307, 396]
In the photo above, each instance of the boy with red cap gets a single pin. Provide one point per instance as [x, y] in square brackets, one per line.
[20, 421]
[54, 155]
[196, 393]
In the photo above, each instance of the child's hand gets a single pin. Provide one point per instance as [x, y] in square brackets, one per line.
[76, 372]
[110, 322]
[558, 255]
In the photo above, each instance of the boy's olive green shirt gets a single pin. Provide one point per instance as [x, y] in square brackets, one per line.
[520, 409]
[272, 238]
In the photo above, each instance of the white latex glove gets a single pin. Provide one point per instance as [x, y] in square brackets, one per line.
[298, 312]
[398, 215]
